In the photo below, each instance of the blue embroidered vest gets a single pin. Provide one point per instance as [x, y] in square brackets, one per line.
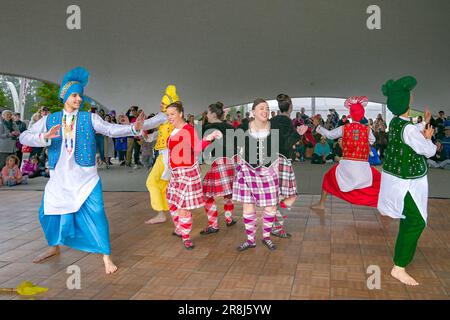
[85, 147]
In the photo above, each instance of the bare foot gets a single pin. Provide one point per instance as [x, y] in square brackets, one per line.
[401, 275]
[110, 267]
[158, 219]
[51, 252]
[318, 206]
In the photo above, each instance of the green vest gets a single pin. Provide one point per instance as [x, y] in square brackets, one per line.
[401, 160]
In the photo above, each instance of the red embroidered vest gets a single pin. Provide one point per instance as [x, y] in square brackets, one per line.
[355, 142]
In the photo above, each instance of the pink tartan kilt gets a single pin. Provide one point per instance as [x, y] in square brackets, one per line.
[185, 188]
[288, 184]
[259, 186]
[218, 181]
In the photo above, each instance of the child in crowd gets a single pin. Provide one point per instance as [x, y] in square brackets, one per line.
[11, 173]
[30, 167]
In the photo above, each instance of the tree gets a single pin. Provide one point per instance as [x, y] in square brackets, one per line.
[3, 101]
[49, 97]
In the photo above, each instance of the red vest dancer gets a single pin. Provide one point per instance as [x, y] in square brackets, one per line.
[353, 179]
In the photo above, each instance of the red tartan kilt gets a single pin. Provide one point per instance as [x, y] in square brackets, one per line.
[288, 184]
[218, 181]
[363, 197]
[185, 188]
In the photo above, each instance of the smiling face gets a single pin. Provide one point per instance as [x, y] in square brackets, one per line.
[175, 117]
[261, 112]
[74, 101]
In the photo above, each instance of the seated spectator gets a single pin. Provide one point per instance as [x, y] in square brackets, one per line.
[322, 153]
[446, 141]
[30, 167]
[440, 159]
[298, 121]
[337, 150]
[11, 174]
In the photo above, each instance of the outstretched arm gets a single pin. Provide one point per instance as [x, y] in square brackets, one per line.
[37, 135]
[155, 121]
[330, 134]
[111, 129]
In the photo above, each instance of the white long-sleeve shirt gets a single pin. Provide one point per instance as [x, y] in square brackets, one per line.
[393, 189]
[70, 184]
[350, 174]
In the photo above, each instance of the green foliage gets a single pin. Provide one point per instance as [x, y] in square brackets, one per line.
[3, 101]
[48, 97]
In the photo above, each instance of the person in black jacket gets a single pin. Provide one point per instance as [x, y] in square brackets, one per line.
[288, 137]
[218, 181]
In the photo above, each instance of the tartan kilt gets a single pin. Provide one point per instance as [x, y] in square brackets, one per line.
[185, 188]
[218, 181]
[259, 186]
[288, 184]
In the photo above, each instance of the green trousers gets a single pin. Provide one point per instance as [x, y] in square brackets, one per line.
[409, 233]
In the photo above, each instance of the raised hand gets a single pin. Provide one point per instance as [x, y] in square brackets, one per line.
[53, 132]
[139, 121]
[427, 115]
[214, 135]
[302, 129]
[428, 132]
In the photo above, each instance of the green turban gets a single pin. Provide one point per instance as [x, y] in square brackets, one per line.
[398, 94]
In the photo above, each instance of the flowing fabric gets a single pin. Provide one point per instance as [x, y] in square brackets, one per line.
[364, 197]
[85, 230]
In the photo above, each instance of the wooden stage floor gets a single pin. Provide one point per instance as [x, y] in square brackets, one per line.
[326, 258]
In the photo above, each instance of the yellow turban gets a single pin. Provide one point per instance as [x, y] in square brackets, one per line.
[170, 95]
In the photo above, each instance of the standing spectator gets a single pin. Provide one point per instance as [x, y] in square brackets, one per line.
[44, 111]
[303, 115]
[272, 114]
[100, 143]
[101, 113]
[334, 117]
[191, 119]
[109, 145]
[380, 135]
[34, 118]
[148, 143]
[11, 174]
[440, 125]
[343, 121]
[371, 125]
[8, 136]
[121, 148]
[298, 121]
[322, 152]
[21, 126]
[228, 119]
[132, 114]
[246, 120]
[329, 122]
[237, 121]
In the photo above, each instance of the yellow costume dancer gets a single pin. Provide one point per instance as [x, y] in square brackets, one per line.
[159, 176]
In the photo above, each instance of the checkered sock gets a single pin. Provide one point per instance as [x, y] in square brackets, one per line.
[211, 212]
[175, 218]
[228, 208]
[250, 226]
[186, 226]
[268, 218]
[281, 215]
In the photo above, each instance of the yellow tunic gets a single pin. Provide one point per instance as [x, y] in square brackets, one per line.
[164, 131]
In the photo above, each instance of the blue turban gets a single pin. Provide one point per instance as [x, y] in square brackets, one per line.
[74, 82]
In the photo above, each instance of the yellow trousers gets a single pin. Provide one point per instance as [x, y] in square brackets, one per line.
[157, 186]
